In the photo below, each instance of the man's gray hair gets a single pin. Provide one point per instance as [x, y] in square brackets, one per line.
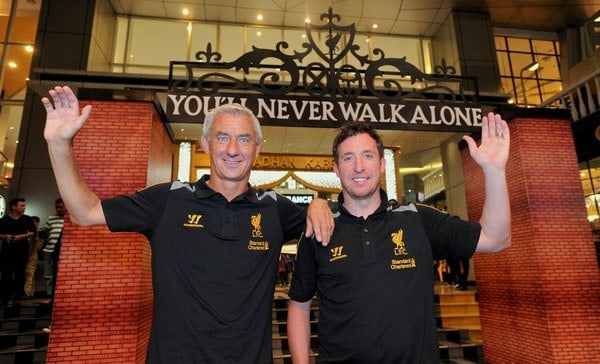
[234, 110]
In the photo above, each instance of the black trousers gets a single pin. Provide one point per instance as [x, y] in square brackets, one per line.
[13, 262]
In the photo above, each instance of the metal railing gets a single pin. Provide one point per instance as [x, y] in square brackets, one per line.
[581, 100]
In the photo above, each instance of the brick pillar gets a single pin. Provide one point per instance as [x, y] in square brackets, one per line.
[540, 299]
[103, 300]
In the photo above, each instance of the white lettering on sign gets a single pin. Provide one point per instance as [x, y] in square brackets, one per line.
[416, 115]
[193, 105]
[304, 199]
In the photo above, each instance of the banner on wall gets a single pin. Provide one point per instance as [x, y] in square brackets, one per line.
[306, 111]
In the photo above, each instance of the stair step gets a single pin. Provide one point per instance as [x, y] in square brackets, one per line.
[464, 350]
[24, 354]
[457, 308]
[462, 361]
[23, 349]
[33, 338]
[459, 328]
[456, 297]
[22, 336]
[277, 336]
[285, 354]
[459, 321]
[24, 323]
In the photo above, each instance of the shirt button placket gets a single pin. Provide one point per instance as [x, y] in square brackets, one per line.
[367, 241]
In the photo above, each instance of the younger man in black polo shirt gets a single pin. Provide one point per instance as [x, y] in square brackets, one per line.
[374, 281]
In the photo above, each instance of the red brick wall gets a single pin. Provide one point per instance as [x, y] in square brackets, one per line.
[103, 300]
[540, 299]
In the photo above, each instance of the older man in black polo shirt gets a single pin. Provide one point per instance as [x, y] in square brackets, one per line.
[215, 243]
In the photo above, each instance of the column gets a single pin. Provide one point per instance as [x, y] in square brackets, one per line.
[540, 299]
[103, 300]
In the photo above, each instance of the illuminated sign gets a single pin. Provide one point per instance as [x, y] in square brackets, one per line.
[300, 199]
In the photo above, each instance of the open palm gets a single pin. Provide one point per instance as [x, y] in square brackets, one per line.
[495, 143]
[63, 118]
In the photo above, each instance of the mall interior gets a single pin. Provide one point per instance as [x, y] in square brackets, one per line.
[537, 63]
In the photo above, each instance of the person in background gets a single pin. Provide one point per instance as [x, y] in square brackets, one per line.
[441, 270]
[35, 246]
[459, 272]
[373, 281]
[16, 229]
[282, 270]
[215, 242]
[54, 227]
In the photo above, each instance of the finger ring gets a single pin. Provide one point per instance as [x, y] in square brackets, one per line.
[499, 133]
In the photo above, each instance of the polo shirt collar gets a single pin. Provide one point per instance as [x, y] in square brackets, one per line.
[202, 190]
[381, 209]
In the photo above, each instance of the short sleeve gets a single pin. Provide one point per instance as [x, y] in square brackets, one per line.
[139, 212]
[451, 237]
[292, 217]
[304, 280]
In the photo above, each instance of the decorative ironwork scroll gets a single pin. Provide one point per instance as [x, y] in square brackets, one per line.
[281, 73]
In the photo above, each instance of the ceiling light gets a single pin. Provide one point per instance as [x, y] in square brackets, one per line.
[29, 49]
[12, 64]
[534, 66]
[185, 11]
[307, 20]
[597, 20]
[374, 26]
[259, 17]
[259, 33]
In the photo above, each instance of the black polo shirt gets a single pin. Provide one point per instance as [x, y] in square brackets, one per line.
[214, 265]
[374, 282]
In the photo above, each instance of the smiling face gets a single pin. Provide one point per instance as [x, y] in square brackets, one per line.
[359, 166]
[233, 147]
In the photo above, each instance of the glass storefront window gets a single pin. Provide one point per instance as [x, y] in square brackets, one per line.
[202, 34]
[518, 44]
[528, 87]
[231, 42]
[145, 34]
[17, 41]
[590, 181]
[135, 40]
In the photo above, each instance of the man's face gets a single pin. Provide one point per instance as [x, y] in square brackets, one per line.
[60, 208]
[359, 166]
[232, 148]
[19, 208]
